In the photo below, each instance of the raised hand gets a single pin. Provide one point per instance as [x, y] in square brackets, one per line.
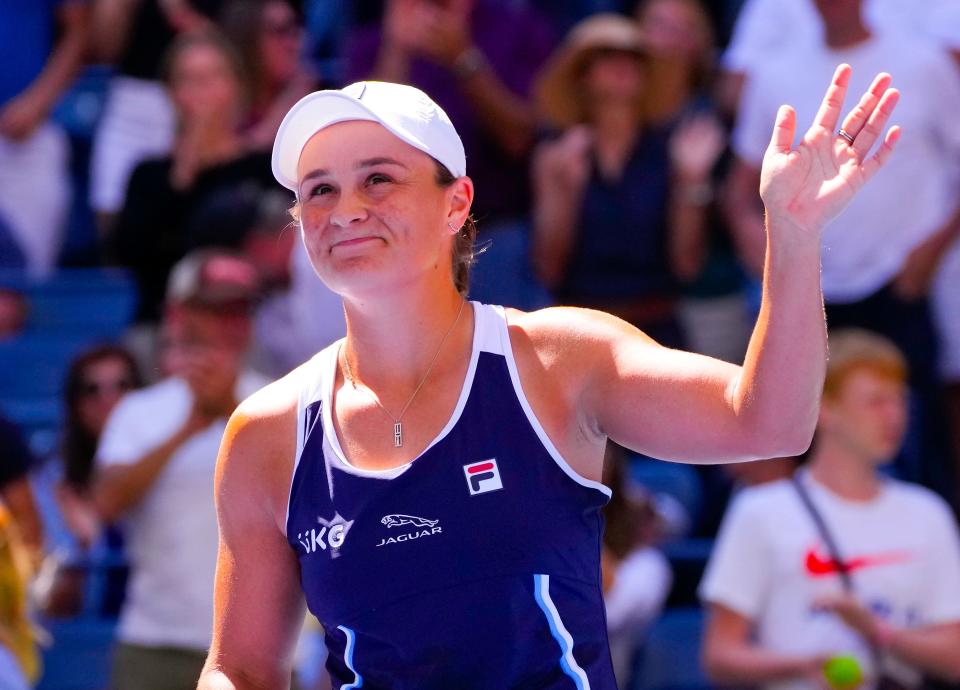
[567, 159]
[695, 147]
[810, 184]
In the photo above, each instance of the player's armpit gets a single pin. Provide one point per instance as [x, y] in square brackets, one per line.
[667, 403]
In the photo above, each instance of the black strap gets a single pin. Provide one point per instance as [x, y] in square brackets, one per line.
[825, 534]
[827, 537]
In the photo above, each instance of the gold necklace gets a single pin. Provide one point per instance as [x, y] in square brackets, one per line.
[397, 425]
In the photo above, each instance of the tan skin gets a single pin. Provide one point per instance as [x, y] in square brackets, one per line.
[860, 428]
[375, 225]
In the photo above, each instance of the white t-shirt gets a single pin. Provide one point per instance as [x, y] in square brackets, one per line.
[760, 29]
[770, 564]
[171, 535]
[912, 196]
[946, 309]
[634, 603]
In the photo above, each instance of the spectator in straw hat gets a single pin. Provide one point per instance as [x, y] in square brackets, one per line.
[619, 213]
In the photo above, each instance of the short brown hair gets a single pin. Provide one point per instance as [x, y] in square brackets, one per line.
[853, 349]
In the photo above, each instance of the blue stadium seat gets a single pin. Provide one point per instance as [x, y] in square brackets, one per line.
[96, 302]
[34, 364]
[80, 655]
[39, 420]
[502, 273]
[670, 660]
[679, 481]
[67, 313]
[688, 559]
[31, 413]
[81, 650]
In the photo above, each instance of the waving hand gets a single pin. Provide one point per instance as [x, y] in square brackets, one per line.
[810, 184]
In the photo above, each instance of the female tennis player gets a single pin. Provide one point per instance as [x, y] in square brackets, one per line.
[429, 485]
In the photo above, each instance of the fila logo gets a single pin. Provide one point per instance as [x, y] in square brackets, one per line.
[332, 533]
[483, 476]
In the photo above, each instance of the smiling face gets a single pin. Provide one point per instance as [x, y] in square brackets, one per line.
[372, 214]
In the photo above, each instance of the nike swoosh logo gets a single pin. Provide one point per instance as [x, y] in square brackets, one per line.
[818, 566]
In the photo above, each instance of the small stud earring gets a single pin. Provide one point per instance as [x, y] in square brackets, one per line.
[452, 229]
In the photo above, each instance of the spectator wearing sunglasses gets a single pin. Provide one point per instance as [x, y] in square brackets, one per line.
[96, 380]
[268, 37]
[617, 220]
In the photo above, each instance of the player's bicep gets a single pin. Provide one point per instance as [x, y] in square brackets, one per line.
[668, 403]
[258, 603]
[258, 611]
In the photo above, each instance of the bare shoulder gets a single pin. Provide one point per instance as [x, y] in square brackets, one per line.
[606, 378]
[257, 453]
[260, 419]
[566, 335]
[571, 322]
[561, 352]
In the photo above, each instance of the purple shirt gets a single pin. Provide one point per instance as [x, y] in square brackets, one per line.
[516, 42]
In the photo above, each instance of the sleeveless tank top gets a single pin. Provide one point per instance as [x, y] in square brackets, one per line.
[474, 566]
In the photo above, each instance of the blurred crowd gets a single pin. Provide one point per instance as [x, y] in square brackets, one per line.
[616, 148]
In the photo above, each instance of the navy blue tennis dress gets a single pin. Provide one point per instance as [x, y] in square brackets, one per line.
[475, 566]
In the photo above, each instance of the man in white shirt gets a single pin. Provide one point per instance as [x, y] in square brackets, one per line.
[156, 463]
[758, 32]
[778, 607]
[881, 254]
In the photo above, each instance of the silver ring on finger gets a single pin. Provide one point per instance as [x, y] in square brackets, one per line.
[846, 136]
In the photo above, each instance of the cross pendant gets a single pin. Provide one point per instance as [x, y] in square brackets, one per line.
[397, 435]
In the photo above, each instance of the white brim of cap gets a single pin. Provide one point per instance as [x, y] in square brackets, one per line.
[308, 116]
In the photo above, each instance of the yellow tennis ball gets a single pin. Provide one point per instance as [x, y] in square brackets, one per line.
[843, 672]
